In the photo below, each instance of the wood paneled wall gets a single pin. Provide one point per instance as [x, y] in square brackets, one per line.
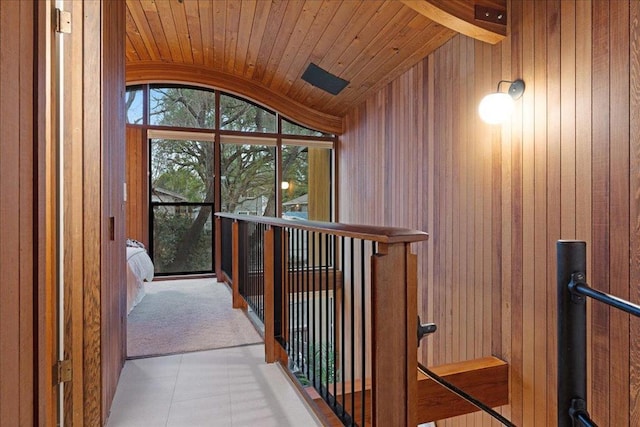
[495, 199]
[113, 220]
[93, 212]
[18, 215]
[137, 222]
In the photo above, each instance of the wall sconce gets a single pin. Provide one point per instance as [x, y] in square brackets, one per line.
[497, 107]
[284, 185]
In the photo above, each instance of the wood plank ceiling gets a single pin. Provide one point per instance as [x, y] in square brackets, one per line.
[269, 43]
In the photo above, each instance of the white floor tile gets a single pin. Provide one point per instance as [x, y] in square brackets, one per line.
[226, 387]
[209, 411]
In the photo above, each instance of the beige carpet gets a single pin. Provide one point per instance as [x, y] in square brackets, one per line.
[178, 316]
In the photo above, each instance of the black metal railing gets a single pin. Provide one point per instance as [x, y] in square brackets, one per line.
[251, 268]
[321, 303]
[328, 340]
[572, 331]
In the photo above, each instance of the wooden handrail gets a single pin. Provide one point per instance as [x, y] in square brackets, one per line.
[364, 232]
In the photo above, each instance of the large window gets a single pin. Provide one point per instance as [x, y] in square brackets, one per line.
[209, 151]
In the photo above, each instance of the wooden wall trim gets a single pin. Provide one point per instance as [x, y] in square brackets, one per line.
[163, 72]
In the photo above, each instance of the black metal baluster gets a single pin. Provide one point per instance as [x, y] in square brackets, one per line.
[318, 349]
[343, 350]
[326, 306]
[333, 337]
[289, 291]
[296, 323]
[313, 278]
[353, 337]
[308, 302]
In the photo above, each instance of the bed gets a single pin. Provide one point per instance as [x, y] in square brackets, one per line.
[139, 270]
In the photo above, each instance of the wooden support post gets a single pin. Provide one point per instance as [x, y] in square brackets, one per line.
[269, 301]
[394, 321]
[237, 300]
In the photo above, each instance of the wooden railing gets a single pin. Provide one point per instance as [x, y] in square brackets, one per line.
[338, 306]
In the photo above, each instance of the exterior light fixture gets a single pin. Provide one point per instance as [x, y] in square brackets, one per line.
[497, 107]
[284, 185]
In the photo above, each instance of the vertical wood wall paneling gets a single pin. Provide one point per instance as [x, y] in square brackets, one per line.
[114, 293]
[88, 28]
[600, 249]
[17, 213]
[583, 142]
[73, 232]
[28, 237]
[559, 169]
[137, 213]
[634, 198]
[428, 189]
[619, 208]
[538, 87]
[516, 140]
[10, 212]
[553, 165]
[526, 109]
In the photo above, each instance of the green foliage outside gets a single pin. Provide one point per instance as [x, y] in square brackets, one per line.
[183, 171]
[169, 228]
[319, 355]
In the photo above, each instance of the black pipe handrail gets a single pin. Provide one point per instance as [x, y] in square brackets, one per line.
[572, 336]
[582, 288]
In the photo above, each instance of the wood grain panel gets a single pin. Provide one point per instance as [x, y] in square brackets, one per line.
[113, 298]
[542, 268]
[18, 366]
[634, 198]
[619, 207]
[564, 166]
[601, 212]
[137, 210]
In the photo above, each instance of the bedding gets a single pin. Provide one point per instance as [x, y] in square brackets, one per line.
[139, 270]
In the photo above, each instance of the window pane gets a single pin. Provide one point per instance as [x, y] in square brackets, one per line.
[290, 128]
[248, 179]
[182, 239]
[306, 183]
[181, 171]
[133, 105]
[182, 107]
[236, 114]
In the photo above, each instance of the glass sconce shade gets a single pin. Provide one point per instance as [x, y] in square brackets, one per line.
[495, 108]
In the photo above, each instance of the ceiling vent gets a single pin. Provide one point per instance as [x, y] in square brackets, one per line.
[323, 79]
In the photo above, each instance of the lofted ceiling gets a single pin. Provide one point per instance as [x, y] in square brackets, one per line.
[260, 48]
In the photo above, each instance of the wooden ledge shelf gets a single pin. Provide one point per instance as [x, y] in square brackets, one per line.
[486, 378]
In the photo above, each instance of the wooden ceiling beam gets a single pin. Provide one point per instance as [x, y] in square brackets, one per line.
[163, 72]
[460, 16]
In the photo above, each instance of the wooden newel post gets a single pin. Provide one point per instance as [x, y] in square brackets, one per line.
[394, 298]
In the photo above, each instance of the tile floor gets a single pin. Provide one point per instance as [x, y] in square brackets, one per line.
[224, 387]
